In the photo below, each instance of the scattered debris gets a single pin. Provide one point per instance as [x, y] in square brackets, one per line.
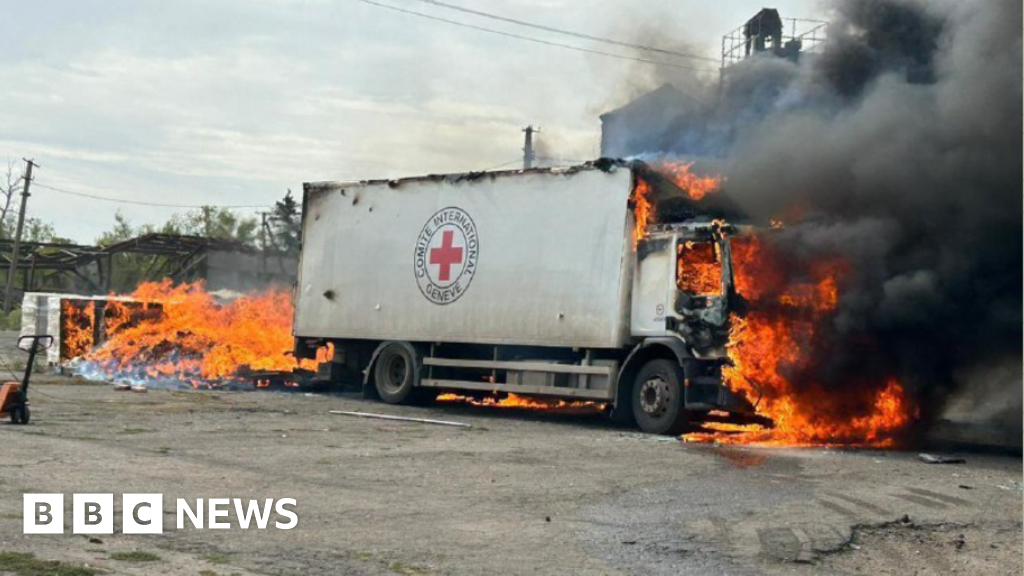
[965, 487]
[122, 387]
[938, 459]
[401, 418]
[139, 388]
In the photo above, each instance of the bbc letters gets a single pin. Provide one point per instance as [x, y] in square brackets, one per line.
[144, 513]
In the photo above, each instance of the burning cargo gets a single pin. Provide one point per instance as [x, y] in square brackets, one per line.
[78, 323]
[539, 282]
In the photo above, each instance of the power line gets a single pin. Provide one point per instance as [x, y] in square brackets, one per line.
[535, 40]
[141, 203]
[569, 32]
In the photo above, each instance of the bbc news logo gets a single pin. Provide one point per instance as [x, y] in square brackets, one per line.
[144, 513]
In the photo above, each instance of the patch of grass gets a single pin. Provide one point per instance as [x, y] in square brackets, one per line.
[406, 569]
[207, 573]
[10, 516]
[163, 450]
[136, 430]
[135, 556]
[75, 437]
[26, 564]
[364, 556]
[217, 558]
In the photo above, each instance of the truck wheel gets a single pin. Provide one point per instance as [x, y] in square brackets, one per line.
[396, 374]
[658, 399]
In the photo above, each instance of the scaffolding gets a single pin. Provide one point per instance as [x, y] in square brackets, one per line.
[767, 32]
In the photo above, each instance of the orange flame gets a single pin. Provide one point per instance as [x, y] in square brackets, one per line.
[78, 321]
[773, 344]
[643, 209]
[680, 174]
[699, 268]
[697, 187]
[516, 401]
[182, 332]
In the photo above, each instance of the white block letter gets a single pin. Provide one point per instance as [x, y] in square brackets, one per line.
[92, 514]
[216, 512]
[262, 517]
[197, 518]
[43, 514]
[142, 513]
[286, 513]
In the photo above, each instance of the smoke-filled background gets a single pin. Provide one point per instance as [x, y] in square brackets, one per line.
[896, 143]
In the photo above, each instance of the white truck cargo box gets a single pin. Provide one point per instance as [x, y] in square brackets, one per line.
[528, 258]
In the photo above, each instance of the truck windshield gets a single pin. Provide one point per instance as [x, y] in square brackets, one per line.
[699, 267]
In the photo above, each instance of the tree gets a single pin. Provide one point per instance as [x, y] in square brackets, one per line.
[38, 231]
[121, 231]
[286, 224]
[10, 188]
[35, 230]
[213, 222]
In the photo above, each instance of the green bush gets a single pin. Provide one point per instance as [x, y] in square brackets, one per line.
[13, 321]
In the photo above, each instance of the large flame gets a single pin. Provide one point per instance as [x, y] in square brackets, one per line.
[78, 321]
[682, 175]
[774, 348]
[183, 333]
[699, 268]
[643, 209]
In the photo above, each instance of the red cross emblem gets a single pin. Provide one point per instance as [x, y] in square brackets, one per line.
[446, 255]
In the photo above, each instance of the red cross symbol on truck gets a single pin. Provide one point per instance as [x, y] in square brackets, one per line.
[446, 255]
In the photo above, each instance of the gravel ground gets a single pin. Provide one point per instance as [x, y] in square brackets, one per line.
[518, 493]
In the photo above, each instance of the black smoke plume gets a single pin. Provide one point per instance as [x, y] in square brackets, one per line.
[898, 140]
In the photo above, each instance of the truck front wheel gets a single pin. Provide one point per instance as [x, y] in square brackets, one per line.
[658, 399]
[396, 374]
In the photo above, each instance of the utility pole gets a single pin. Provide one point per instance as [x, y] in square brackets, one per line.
[263, 242]
[528, 153]
[12, 271]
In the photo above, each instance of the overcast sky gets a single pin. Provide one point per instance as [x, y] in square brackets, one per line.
[234, 101]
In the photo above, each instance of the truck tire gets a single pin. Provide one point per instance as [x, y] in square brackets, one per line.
[658, 399]
[396, 374]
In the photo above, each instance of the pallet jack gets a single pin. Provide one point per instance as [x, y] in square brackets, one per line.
[14, 395]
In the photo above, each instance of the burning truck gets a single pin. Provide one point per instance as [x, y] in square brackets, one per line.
[545, 282]
[613, 285]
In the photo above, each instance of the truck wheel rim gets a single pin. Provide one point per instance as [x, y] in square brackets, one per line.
[394, 372]
[654, 396]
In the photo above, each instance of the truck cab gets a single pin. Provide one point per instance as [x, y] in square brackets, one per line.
[681, 301]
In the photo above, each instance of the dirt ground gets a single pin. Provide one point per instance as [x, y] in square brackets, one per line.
[517, 493]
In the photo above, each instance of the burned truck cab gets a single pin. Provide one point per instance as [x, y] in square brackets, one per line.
[682, 298]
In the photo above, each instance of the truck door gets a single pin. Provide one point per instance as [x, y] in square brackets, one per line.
[703, 277]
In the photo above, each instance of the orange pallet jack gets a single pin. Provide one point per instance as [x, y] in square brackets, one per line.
[14, 395]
